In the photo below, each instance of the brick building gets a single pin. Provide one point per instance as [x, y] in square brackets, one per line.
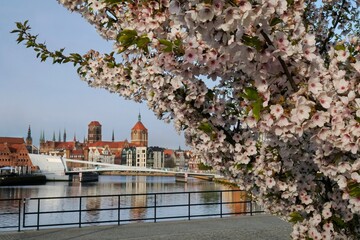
[139, 134]
[13, 153]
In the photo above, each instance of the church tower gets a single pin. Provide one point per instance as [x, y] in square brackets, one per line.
[29, 138]
[139, 134]
[94, 132]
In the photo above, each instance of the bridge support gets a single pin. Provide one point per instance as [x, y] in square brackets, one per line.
[181, 177]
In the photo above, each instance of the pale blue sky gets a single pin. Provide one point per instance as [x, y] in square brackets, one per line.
[52, 97]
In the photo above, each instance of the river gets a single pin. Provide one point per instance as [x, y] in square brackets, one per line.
[115, 185]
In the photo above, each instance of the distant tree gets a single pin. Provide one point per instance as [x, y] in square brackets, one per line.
[267, 90]
[202, 166]
[169, 162]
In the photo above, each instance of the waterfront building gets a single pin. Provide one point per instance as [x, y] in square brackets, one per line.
[169, 158]
[101, 155]
[140, 157]
[128, 156]
[139, 134]
[115, 148]
[155, 157]
[13, 153]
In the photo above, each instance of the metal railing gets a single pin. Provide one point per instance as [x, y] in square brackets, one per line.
[116, 209]
[10, 213]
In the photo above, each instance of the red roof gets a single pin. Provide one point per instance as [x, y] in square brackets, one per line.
[110, 144]
[168, 152]
[77, 152]
[139, 126]
[65, 145]
[11, 140]
[94, 123]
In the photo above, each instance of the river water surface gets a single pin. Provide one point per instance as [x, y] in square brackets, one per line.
[135, 206]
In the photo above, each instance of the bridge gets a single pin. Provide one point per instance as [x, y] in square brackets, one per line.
[56, 168]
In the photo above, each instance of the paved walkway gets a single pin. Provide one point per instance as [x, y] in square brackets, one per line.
[259, 227]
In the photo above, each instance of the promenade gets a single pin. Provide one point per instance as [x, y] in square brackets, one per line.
[257, 227]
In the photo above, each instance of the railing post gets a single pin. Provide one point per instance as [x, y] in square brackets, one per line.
[38, 215]
[24, 207]
[250, 207]
[221, 205]
[80, 212]
[189, 205]
[19, 215]
[155, 208]
[118, 209]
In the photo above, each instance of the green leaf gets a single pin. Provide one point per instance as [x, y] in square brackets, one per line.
[113, 1]
[275, 21]
[168, 44]
[290, 2]
[177, 42]
[205, 127]
[251, 93]
[354, 189]
[340, 47]
[295, 217]
[252, 42]
[142, 43]
[256, 108]
[338, 221]
[126, 38]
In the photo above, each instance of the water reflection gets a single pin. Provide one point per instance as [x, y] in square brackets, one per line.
[240, 206]
[134, 205]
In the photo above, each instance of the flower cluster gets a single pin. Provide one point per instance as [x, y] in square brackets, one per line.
[267, 91]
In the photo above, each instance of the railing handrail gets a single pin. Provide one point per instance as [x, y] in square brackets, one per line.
[79, 209]
[133, 194]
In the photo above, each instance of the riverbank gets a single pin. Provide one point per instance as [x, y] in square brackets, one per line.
[256, 227]
[122, 173]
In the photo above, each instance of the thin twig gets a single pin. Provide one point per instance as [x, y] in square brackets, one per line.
[331, 31]
[282, 62]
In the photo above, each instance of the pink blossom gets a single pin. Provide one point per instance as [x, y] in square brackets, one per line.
[276, 110]
[315, 86]
[324, 100]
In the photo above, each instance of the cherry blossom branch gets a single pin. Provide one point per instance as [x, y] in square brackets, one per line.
[332, 29]
[282, 62]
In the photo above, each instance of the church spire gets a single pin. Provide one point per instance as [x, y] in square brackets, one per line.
[42, 136]
[139, 117]
[29, 138]
[75, 137]
[65, 135]
[113, 136]
[54, 137]
[29, 132]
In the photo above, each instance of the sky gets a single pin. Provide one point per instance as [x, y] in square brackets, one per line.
[52, 98]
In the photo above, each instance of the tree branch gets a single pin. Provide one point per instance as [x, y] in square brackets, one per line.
[332, 29]
[282, 62]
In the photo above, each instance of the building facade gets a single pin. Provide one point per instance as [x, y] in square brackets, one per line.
[155, 158]
[101, 155]
[13, 153]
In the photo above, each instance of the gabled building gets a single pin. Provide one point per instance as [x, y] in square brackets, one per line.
[101, 155]
[13, 153]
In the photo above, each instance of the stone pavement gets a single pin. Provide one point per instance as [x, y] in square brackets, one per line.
[257, 227]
